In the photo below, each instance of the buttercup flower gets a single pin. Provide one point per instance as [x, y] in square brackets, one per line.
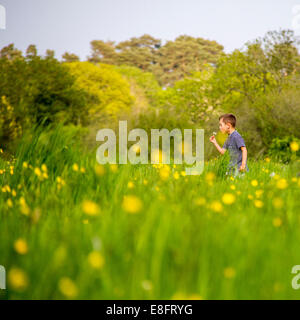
[67, 287]
[216, 206]
[277, 222]
[277, 203]
[294, 146]
[132, 204]
[254, 183]
[20, 246]
[228, 198]
[282, 184]
[17, 279]
[90, 208]
[229, 273]
[75, 167]
[96, 260]
[258, 203]
[164, 172]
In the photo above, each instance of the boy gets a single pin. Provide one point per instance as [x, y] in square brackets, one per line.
[234, 143]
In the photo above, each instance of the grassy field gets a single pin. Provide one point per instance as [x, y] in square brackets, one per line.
[72, 229]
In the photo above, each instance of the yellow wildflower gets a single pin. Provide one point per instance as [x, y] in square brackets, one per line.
[38, 172]
[137, 149]
[282, 184]
[132, 204]
[9, 203]
[294, 146]
[259, 193]
[164, 172]
[216, 206]
[45, 175]
[17, 279]
[113, 168]
[67, 287]
[254, 183]
[210, 177]
[100, 170]
[90, 208]
[229, 273]
[277, 203]
[25, 209]
[176, 175]
[277, 222]
[20, 246]
[96, 260]
[228, 198]
[75, 167]
[130, 185]
[258, 203]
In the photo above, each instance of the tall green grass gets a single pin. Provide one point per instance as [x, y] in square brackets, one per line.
[185, 242]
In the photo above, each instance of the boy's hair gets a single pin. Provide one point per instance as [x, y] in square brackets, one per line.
[228, 118]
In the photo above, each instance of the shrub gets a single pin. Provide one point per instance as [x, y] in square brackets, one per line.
[285, 149]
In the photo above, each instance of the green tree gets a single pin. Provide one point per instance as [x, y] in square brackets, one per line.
[183, 56]
[191, 97]
[70, 57]
[31, 51]
[50, 54]
[108, 92]
[38, 88]
[104, 52]
[169, 62]
[10, 52]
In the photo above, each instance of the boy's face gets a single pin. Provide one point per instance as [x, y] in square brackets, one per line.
[224, 128]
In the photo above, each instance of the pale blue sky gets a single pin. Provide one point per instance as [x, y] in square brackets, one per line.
[70, 25]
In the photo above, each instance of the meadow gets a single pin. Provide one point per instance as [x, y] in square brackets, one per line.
[73, 229]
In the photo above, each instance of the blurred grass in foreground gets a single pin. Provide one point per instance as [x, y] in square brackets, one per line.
[72, 229]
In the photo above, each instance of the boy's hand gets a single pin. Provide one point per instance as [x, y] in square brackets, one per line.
[213, 140]
[242, 168]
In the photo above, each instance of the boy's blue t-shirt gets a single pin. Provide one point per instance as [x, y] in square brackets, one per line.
[234, 143]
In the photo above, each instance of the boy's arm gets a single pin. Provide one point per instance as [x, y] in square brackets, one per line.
[214, 141]
[240, 143]
[244, 158]
[220, 149]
